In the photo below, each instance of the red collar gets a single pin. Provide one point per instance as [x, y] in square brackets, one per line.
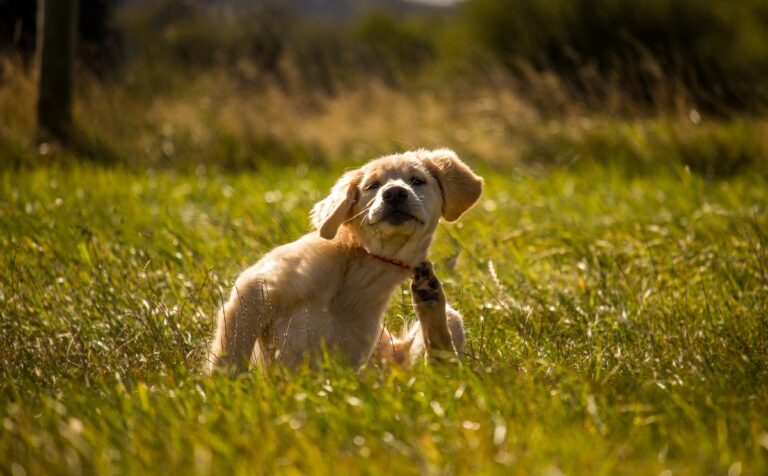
[391, 261]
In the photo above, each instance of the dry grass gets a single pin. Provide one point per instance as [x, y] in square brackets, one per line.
[216, 120]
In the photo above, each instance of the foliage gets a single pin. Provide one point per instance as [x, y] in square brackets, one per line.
[659, 53]
[99, 45]
[716, 51]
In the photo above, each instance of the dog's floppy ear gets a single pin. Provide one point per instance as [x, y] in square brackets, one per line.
[329, 213]
[460, 186]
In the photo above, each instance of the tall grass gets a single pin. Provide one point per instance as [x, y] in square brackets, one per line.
[213, 121]
[616, 322]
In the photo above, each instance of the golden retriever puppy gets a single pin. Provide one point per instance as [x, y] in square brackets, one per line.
[329, 289]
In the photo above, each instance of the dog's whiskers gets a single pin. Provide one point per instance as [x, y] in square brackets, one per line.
[364, 211]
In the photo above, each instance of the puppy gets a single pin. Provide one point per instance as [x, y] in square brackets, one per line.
[328, 290]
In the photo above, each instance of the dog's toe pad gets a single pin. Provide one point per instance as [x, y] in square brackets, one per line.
[425, 286]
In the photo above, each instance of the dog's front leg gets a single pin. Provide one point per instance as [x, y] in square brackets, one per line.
[442, 332]
[240, 323]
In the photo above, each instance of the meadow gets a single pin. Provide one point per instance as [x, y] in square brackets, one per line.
[613, 277]
[617, 324]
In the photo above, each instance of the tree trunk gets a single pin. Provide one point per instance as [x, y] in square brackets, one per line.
[56, 37]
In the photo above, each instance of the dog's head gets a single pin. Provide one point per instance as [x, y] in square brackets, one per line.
[398, 198]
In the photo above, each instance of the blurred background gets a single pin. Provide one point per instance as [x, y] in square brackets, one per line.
[231, 84]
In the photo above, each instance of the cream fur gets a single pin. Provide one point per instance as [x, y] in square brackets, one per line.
[325, 291]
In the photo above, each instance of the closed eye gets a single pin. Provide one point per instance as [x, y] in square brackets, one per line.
[372, 186]
[416, 181]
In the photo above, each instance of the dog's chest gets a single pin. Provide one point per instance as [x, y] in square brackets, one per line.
[346, 316]
[364, 292]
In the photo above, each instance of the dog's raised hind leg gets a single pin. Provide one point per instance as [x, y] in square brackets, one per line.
[442, 331]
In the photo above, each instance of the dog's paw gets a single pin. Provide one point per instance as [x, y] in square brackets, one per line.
[425, 287]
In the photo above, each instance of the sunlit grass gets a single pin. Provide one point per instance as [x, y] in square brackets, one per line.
[617, 323]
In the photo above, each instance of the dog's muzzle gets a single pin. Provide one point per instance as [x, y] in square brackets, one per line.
[396, 208]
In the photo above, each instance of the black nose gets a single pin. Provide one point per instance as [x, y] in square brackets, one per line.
[395, 195]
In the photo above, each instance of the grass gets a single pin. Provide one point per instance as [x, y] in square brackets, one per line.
[617, 322]
[153, 119]
[613, 279]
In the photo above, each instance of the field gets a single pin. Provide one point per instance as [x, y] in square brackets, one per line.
[617, 323]
[613, 277]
